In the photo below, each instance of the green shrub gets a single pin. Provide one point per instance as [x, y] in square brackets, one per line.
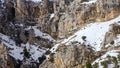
[95, 65]
[48, 52]
[109, 58]
[38, 37]
[112, 42]
[105, 64]
[41, 59]
[26, 53]
[84, 38]
[118, 57]
[88, 64]
[26, 33]
[114, 59]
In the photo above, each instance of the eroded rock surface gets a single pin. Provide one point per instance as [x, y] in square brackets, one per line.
[71, 56]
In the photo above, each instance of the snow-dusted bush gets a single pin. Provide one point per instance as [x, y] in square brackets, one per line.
[84, 38]
[26, 53]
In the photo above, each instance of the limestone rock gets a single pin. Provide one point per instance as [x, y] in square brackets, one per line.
[6, 61]
[3, 56]
[70, 56]
[79, 15]
[115, 28]
[111, 35]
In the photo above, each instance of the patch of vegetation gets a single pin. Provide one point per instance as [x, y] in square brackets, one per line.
[84, 38]
[95, 65]
[33, 65]
[88, 64]
[38, 37]
[84, 0]
[109, 59]
[112, 42]
[26, 53]
[26, 33]
[108, 56]
[41, 59]
[48, 52]
[118, 57]
[114, 60]
[104, 64]
[73, 42]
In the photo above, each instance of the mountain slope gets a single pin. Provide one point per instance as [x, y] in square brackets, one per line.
[60, 33]
[94, 33]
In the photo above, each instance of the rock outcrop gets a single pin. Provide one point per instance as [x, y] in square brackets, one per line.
[68, 15]
[17, 20]
[79, 14]
[6, 61]
[3, 56]
[71, 56]
[111, 35]
[19, 15]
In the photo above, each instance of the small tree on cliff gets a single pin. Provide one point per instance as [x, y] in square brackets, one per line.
[26, 53]
[88, 64]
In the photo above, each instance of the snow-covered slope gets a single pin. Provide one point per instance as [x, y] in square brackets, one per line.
[107, 56]
[17, 51]
[39, 33]
[94, 32]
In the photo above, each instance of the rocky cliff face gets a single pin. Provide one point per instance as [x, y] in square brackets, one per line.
[17, 17]
[112, 34]
[6, 61]
[26, 21]
[68, 15]
[71, 56]
[19, 21]
[76, 16]
[3, 56]
[81, 14]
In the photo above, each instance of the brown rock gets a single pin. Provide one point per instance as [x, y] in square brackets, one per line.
[70, 56]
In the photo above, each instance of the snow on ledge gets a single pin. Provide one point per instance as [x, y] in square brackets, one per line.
[112, 53]
[89, 2]
[35, 0]
[17, 51]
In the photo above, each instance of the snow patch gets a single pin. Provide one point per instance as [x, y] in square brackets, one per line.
[40, 33]
[16, 50]
[52, 15]
[94, 32]
[35, 0]
[104, 57]
[43, 35]
[89, 2]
